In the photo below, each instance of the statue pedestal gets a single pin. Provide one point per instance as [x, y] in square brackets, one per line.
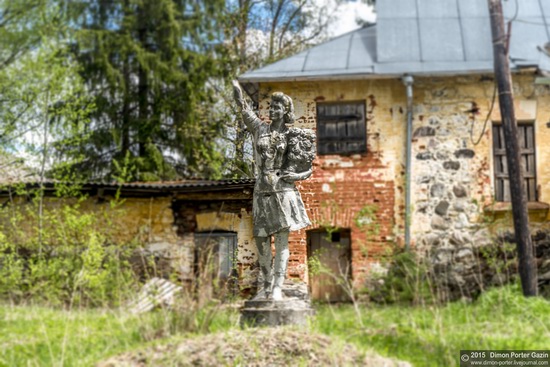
[294, 309]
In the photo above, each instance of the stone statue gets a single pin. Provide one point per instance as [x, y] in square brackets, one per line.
[283, 155]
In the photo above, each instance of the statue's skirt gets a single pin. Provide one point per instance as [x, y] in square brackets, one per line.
[278, 210]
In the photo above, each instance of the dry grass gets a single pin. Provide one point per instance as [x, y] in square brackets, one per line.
[254, 348]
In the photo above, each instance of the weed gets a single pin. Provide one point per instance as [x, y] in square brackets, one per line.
[406, 281]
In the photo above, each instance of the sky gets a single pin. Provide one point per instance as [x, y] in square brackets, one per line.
[347, 13]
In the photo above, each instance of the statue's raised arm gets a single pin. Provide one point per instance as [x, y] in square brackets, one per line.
[249, 117]
[239, 97]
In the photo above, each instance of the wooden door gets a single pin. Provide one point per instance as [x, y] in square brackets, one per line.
[330, 265]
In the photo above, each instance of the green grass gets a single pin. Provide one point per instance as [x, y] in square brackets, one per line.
[39, 336]
[433, 336]
[425, 336]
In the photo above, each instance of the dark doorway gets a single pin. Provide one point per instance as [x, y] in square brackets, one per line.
[329, 255]
[215, 264]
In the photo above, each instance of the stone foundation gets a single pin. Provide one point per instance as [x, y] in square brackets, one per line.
[464, 271]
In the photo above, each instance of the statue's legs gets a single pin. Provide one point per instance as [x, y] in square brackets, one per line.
[266, 258]
[281, 262]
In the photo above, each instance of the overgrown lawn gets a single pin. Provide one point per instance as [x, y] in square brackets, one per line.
[433, 336]
[426, 336]
[39, 336]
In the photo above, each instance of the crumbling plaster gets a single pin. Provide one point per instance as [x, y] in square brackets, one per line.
[452, 178]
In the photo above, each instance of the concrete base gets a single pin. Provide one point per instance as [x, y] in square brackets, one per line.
[294, 309]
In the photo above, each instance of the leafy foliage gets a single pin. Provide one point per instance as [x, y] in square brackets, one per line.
[62, 255]
[137, 88]
[44, 103]
[406, 281]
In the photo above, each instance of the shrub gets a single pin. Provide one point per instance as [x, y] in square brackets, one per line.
[62, 255]
[406, 281]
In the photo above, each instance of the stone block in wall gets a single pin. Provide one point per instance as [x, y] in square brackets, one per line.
[464, 153]
[424, 156]
[440, 223]
[459, 191]
[442, 208]
[438, 190]
[451, 165]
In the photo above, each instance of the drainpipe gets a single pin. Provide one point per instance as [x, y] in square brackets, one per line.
[408, 81]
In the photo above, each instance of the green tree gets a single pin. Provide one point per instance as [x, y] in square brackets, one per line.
[258, 32]
[147, 65]
[264, 31]
[42, 94]
[21, 25]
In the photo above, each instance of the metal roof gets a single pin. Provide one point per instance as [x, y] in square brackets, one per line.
[421, 37]
[180, 186]
[348, 55]
[184, 184]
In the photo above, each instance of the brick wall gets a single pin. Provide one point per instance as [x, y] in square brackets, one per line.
[343, 189]
[337, 200]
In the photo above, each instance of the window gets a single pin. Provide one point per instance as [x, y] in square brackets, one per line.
[216, 262]
[526, 137]
[341, 128]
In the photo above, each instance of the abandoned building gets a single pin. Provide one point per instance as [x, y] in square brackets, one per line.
[177, 223]
[409, 148]
[408, 130]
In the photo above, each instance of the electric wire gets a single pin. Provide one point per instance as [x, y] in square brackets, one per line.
[516, 12]
[544, 21]
[493, 98]
[489, 113]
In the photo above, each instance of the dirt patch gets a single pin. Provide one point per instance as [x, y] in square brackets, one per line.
[253, 347]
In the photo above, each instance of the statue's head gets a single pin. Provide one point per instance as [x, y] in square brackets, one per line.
[286, 103]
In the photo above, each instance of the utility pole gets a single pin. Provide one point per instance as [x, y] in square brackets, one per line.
[527, 267]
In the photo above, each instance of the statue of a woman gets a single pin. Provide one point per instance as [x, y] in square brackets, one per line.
[283, 155]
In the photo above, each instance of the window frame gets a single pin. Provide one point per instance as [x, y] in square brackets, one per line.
[528, 156]
[323, 139]
[225, 262]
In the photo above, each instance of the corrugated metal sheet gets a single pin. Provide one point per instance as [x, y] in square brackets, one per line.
[335, 56]
[476, 36]
[183, 184]
[421, 37]
[473, 9]
[528, 34]
[396, 9]
[161, 186]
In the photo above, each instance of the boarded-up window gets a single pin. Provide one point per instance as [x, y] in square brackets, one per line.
[526, 138]
[341, 128]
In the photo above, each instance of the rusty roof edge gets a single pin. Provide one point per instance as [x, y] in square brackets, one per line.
[187, 186]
